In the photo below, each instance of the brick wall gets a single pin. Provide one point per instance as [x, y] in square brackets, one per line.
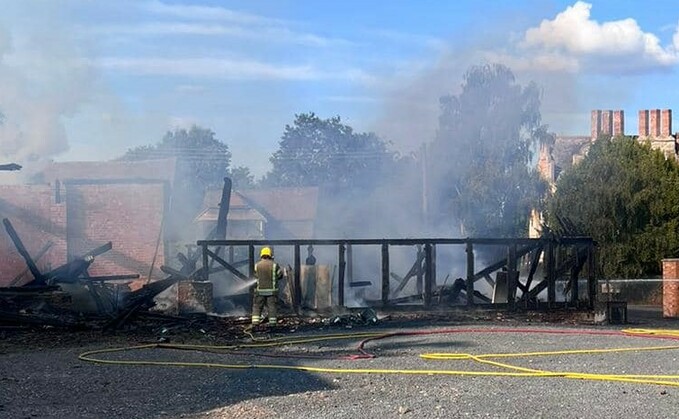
[670, 297]
[38, 219]
[129, 214]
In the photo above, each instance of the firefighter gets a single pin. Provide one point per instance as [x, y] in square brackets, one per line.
[268, 273]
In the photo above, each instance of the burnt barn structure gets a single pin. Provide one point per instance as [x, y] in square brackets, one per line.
[520, 273]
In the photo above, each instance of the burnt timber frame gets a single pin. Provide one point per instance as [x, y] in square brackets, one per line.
[564, 259]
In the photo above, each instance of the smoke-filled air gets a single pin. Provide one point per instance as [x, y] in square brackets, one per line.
[119, 121]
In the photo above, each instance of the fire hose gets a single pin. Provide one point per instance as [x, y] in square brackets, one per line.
[489, 359]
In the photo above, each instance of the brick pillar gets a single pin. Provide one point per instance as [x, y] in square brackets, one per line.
[666, 122]
[596, 124]
[654, 123]
[670, 287]
[607, 122]
[618, 123]
[643, 123]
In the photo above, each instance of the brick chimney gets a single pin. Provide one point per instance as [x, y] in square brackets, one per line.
[654, 123]
[596, 123]
[607, 122]
[666, 122]
[618, 123]
[643, 123]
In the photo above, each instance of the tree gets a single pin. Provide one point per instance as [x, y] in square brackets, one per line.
[202, 162]
[242, 178]
[325, 152]
[480, 157]
[626, 196]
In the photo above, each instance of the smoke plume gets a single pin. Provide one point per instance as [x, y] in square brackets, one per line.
[43, 81]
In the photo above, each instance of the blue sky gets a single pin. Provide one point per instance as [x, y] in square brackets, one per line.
[86, 80]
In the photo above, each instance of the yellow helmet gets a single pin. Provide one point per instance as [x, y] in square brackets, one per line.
[266, 251]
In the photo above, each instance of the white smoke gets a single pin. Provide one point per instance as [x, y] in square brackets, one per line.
[43, 81]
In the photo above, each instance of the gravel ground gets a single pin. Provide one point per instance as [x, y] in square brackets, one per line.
[52, 382]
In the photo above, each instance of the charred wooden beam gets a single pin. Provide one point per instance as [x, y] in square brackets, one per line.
[499, 264]
[222, 217]
[225, 264]
[534, 262]
[139, 299]
[415, 270]
[105, 278]
[470, 273]
[39, 277]
[38, 255]
[385, 274]
[297, 280]
[98, 251]
[170, 271]
[340, 279]
[10, 167]
[70, 272]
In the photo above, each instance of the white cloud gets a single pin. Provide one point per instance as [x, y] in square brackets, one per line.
[269, 34]
[574, 37]
[223, 68]
[205, 13]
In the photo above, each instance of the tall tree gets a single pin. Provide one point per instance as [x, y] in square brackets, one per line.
[203, 159]
[626, 196]
[242, 178]
[480, 157]
[202, 162]
[325, 152]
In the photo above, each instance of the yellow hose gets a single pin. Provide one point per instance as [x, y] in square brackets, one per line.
[485, 359]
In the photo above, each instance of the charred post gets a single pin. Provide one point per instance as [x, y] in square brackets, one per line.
[340, 278]
[385, 274]
[297, 286]
[470, 273]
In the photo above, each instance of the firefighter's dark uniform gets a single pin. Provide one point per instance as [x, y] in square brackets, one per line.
[268, 273]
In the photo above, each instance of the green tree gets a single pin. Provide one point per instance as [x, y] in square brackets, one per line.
[202, 162]
[242, 178]
[325, 152]
[626, 196]
[480, 158]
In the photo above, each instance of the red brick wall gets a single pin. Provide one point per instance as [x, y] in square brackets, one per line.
[670, 295]
[127, 214]
[37, 218]
[89, 215]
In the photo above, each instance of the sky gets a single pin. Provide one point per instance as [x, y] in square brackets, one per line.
[87, 80]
